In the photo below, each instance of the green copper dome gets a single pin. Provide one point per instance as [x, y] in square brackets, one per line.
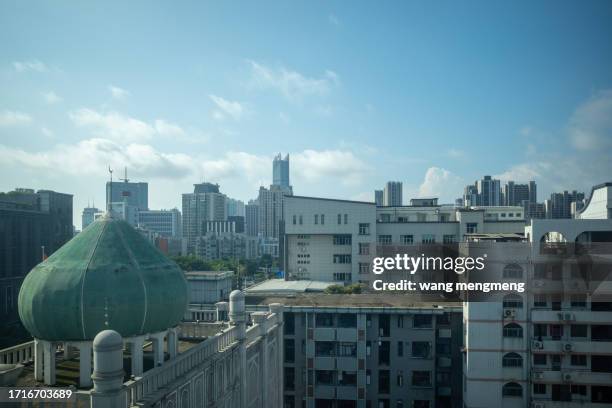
[107, 277]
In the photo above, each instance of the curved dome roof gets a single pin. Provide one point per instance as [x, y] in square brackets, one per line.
[107, 277]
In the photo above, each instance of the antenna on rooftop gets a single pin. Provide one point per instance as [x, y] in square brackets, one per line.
[125, 178]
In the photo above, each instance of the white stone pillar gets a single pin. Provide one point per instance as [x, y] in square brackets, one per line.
[85, 364]
[172, 342]
[277, 309]
[108, 391]
[135, 345]
[49, 362]
[158, 348]
[259, 318]
[38, 360]
[237, 315]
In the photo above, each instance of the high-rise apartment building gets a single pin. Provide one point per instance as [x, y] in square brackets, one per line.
[88, 216]
[560, 204]
[515, 194]
[252, 218]
[392, 195]
[489, 191]
[271, 202]
[235, 208]
[206, 203]
[379, 197]
[280, 172]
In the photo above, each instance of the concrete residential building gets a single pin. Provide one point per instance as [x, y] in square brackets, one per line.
[489, 191]
[206, 203]
[225, 245]
[392, 195]
[235, 208]
[349, 353]
[335, 240]
[271, 202]
[560, 204]
[208, 287]
[252, 218]
[549, 347]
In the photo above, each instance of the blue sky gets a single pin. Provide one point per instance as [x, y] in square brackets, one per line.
[434, 94]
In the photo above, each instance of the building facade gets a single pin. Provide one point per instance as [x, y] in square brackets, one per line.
[206, 203]
[392, 194]
[166, 223]
[280, 172]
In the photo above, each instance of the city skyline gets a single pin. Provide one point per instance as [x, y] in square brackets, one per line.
[520, 104]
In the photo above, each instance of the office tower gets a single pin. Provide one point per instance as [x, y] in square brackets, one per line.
[392, 196]
[88, 216]
[133, 194]
[235, 207]
[206, 203]
[166, 223]
[533, 192]
[379, 197]
[239, 223]
[252, 218]
[489, 191]
[280, 171]
[33, 226]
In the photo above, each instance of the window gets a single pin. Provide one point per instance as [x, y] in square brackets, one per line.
[294, 219]
[471, 228]
[578, 301]
[421, 349]
[513, 330]
[420, 404]
[448, 239]
[347, 349]
[342, 277]
[579, 390]
[364, 229]
[406, 239]
[324, 348]
[400, 349]
[540, 330]
[324, 377]
[345, 219]
[428, 239]
[364, 268]
[539, 300]
[300, 220]
[512, 360]
[422, 321]
[513, 271]
[383, 381]
[513, 301]
[578, 330]
[322, 219]
[342, 240]
[342, 258]
[384, 240]
[289, 378]
[539, 388]
[347, 378]
[421, 378]
[512, 389]
[364, 248]
[539, 359]
[579, 360]
[289, 350]
[339, 219]
[324, 320]
[400, 378]
[316, 218]
[347, 320]
[400, 322]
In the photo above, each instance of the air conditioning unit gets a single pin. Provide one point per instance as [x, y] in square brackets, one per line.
[509, 313]
[568, 347]
[566, 377]
[568, 316]
[538, 375]
[537, 404]
[538, 284]
[538, 345]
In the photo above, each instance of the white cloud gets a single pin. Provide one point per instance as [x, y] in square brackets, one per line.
[165, 128]
[441, 183]
[590, 127]
[333, 19]
[226, 107]
[14, 118]
[291, 84]
[455, 153]
[34, 65]
[51, 97]
[313, 166]
[47, 132]
[118, 93]
[113, 125]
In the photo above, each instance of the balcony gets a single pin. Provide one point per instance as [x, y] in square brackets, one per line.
[346, 334]
[576, 346]
[568, 376]
[571, 316]
[325, 334]
[325, 363]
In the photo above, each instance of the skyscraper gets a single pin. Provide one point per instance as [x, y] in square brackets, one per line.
[378, 198]
[280, 171]
[133, 194]
[489, 191]
[270, 210]
[206, 203]
[392, 196]
[252, 218]
[88, 216]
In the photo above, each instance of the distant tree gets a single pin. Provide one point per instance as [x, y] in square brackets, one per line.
[339, 289]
